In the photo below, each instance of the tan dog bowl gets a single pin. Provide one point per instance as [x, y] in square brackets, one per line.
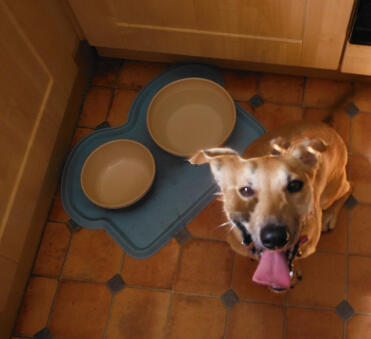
[118, 173]
[191, 114]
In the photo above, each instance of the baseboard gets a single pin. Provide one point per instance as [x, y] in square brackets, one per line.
[230, 64]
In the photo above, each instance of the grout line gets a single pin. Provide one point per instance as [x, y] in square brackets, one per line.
[307, 307]
[108, 315]
[112, 297]
[113, 91]
[168, 314]
[59, 279]
[122, 262]
[363, 313]
[230, 286]
[227, 316]
[194, 294]
[352, 254]
[347, 256]
[345, 329]
[208, 239]
[251, 301]
[172, 291]
[347, 270]
[85, 126]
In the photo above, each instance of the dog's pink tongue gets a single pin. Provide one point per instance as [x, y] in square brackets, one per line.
[273, 270]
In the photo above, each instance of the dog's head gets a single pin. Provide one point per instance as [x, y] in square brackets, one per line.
[267, 198]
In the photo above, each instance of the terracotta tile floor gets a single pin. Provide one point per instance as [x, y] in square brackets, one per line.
[180, 291]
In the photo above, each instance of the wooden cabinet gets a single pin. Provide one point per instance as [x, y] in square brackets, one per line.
[309, 33]
[38, 70]
[357, 59]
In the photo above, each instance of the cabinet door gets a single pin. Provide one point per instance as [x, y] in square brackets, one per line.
[307, 33]
[37, 45]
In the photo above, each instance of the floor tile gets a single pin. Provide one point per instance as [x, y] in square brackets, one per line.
[80, 310]
[310, 324]
[359, 327]
[255, 321]
[119, 111]
[52, 250]
[95, 107]
[243, 285]
[207, 223]
[93, 255]
[359, 230]
[340, 121]
[324, 280]
[317, 92]
[138, 313]
[134, 75]
[282, 89]
[359, 290]
[156, 271]
[79, 134]
[106, 72]
[336, 240]
[240, 85]
[362, 96]
[360, 176]
[57, 212]
[273, 116]
[36, 305]
[205, 267]
[196, 317]
[361, 127]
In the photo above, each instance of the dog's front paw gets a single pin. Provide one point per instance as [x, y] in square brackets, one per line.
[328, 222]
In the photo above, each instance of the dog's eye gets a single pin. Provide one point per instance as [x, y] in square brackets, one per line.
[246, 191]
[295, 186]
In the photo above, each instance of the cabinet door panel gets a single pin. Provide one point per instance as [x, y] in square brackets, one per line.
[291, 32]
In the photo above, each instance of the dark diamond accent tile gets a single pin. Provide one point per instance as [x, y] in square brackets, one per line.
[230, 298]
[256, 101]
[344, 310]
[116, 283]
[183, 236]
[351, 202]
[104, 124]
[351, 109]
[73, 226]
[43, 334]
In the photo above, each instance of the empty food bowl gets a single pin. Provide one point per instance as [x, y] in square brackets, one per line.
[191, 114]
[118, 173]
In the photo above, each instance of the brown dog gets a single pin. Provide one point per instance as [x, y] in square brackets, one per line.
[287, 187]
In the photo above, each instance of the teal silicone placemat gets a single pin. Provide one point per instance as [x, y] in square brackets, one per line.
[179, 192]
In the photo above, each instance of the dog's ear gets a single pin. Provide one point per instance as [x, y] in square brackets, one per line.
[219, 159]
[309, 151]
[208, 155]
[279, 146]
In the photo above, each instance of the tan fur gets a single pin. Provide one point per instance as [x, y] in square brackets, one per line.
[311, 152]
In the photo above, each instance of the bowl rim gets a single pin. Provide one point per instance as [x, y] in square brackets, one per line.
[140, 194]
[213, 83]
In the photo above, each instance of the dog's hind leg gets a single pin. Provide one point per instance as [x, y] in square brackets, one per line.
[330, 215]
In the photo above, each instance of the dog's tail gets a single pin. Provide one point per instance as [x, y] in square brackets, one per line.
[341, 104]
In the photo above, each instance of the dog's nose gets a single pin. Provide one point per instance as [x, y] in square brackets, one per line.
[274, 236]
